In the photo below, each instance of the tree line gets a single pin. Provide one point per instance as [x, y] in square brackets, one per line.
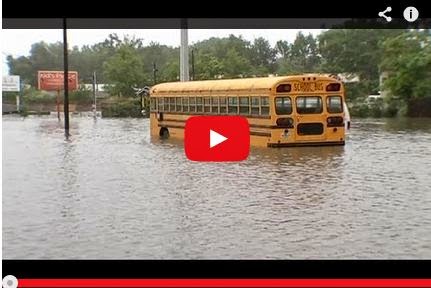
[124, 63]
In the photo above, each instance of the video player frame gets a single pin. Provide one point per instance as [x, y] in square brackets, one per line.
[233, 273]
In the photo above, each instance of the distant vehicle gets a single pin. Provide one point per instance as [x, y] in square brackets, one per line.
[298, 110]
[374, 97]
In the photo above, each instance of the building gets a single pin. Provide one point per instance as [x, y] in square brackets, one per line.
[100, 89]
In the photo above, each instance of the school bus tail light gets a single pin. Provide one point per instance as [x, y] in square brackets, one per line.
[333, 87]
[285, 122]
[336, 121]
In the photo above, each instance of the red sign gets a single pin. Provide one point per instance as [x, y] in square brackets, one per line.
[217, 138]
[54, 80]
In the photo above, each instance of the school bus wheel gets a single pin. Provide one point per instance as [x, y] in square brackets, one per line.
[164, 133]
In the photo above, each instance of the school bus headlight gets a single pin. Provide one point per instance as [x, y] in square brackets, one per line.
[333, 87]
[285, 122]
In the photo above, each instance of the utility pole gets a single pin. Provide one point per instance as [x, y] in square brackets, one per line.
[20, 96]
[66, 80]
[94, 95]
[58, 104]
[184, 52]
[193, 65]
[155, 73]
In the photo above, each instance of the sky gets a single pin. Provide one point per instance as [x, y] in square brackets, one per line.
[17, 42]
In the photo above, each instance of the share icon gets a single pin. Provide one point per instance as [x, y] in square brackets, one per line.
[382, 14]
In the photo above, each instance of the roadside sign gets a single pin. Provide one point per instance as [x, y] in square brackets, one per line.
[54, 80]
[10, 83]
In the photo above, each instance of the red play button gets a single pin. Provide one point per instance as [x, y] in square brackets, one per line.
[217, 138]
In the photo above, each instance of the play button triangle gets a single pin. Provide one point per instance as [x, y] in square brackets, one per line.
[216, 138]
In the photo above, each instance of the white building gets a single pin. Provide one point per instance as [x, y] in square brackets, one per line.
[100, 89]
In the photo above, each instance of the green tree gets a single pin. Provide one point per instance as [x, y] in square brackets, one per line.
[227, 57]
[262, 57]
[166, 60]
[302, 56]
[208, 66]
[282, 48]
[170, 70]
[407, 60]
[125, 70]
[43, 56]
[22, 66]
[235, 65]
[355, 51]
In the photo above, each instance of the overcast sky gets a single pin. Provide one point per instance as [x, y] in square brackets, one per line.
[18, 42]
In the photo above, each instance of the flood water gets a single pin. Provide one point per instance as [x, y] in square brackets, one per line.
[112, 192]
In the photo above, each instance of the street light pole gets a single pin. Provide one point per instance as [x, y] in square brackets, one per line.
[66, 80]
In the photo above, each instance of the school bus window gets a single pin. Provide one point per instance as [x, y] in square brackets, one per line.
[255, 105]
[166, 106]
[152, 104]
[214, 105]
[185, 104]
[198, 104]
[160, 104]
[178, 104]
[172, 104]
[222, 105]
[192, 104]
[334, 104]
[309, 105]
[232, 103]
[207, 104]
[283, 105]
[264, 105]
[244, 105]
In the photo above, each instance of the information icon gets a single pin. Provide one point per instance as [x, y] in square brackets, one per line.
[411, 14]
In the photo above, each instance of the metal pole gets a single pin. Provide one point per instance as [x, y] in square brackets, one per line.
[155, 73]
[193, 64]
[184, 52]
[94, 95]
[58, 104]
[17, 102]
[66, 80]
[20, 95]
[17, 96]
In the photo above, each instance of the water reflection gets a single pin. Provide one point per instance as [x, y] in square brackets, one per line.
[407, 125]
[396, 125]
[297, 155]
[112, 191]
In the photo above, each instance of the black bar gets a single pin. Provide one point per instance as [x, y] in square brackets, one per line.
[66, 80]
[398, 269]
[216, 23]
[220, 9]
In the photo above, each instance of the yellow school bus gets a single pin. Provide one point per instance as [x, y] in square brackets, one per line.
[298, 110]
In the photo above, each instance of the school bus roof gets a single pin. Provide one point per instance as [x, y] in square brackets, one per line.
[247, 84]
